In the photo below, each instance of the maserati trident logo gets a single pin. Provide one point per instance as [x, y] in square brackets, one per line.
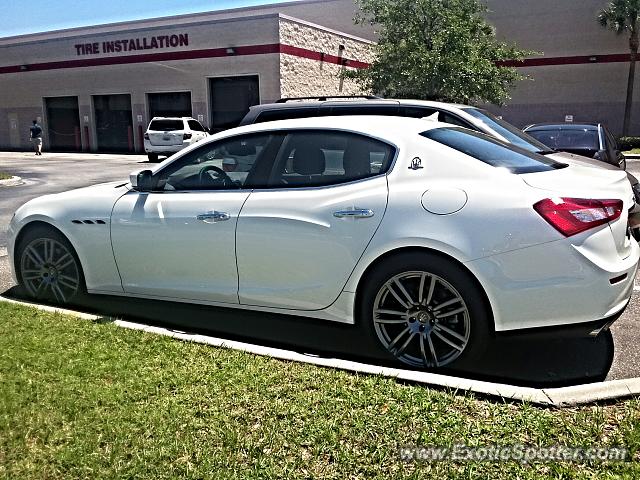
[416, 164]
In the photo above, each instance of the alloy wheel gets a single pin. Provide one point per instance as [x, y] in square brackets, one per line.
[49, 270]
[421, 319]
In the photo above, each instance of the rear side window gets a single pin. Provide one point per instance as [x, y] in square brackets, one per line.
[316, 158]
[491, 151]
[166, 125]
[195, 126]
[364, 109]
[286, 114]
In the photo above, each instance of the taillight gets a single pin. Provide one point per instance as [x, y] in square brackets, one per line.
[146, 136]
[186, 136]
[574, 215]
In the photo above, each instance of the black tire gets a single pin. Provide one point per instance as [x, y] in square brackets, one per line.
[153, 157]
[470, 326]
[48, 267]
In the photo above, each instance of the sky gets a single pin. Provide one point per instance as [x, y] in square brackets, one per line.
[30, 16]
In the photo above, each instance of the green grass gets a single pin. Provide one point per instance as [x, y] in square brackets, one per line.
[4, 176]
[635, 151]
[81, 399]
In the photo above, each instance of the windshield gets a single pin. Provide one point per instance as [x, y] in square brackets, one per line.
[578, 139]
[512, 134]
[491, 151]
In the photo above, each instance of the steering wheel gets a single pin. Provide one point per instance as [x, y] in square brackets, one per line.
[205, 176]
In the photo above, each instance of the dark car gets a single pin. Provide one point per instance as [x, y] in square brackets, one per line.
[586, 139]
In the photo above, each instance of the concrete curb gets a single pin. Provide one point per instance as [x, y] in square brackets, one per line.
[554, 397]
[632, 156]
[11, 182]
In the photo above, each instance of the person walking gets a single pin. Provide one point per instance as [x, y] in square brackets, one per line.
[36, 137]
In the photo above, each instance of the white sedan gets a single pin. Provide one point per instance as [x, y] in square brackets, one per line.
[427, 236]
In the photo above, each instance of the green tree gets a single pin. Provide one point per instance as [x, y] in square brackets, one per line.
[437, 50]
[622, 16]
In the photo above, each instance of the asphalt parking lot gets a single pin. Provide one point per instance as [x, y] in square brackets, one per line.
[555, 361]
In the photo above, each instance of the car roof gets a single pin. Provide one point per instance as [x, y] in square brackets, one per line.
[293, 104]
[563, 126]
[374, 125]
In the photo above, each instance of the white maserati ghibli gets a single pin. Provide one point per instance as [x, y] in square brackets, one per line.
[427, 236]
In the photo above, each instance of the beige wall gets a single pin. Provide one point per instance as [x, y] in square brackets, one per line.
[301, 77]
[21, 94]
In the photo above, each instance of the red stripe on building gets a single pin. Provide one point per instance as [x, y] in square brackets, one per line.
[186, 55]
[576, 60]
[287, 50]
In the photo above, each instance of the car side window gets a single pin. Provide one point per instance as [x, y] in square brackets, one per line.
[363, 109]
[195, 126]
[222, 165]
[453, 120]
[286, 113]
[613, 144]
[416, 112]
[318, 158]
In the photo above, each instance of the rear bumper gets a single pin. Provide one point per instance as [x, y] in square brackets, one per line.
[566, 282]
[164, 149]
[578, 330]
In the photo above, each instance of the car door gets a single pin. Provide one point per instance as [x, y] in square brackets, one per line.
[299, 239]
[178, 240]
[613, 150]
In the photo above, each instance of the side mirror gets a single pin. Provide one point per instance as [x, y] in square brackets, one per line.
[141, 181]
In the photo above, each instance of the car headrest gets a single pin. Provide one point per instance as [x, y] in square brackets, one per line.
[308, 160]
[357, 159]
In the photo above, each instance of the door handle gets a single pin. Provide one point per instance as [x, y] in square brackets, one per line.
[213, 217]
[354, 213]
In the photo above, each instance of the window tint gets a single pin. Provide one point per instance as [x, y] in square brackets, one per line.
[453, 120]
[166, 125]
[363, 109]
[568, 139]
[512, 134]
[195, 126]
[612, 142]
[416, 112]
[222, 165]
[314, 158]
[285, 114]
[491, 151]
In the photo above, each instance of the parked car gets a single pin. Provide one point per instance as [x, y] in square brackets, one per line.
[591, 140]
[168, 135]
[428, 237]
[466, 116]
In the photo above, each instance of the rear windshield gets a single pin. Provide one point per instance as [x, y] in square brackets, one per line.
[166, 125]
[568, 139]
[508, 131]
[491, 151]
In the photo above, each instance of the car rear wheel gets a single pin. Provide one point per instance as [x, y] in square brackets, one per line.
[48, 267]
[425, 311]
[153, 157]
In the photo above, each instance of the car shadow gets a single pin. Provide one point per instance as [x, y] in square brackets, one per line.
[511, 359]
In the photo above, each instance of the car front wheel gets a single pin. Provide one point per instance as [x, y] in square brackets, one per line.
[425, 311]
[48, 267]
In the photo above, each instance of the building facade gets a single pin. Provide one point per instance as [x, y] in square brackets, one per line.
[96, 88]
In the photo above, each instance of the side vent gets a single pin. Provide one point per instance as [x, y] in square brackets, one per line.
[89, 222]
